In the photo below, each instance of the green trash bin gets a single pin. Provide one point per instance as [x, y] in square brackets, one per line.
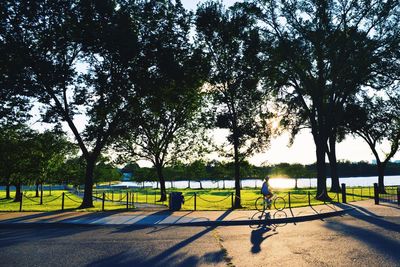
[176, 200]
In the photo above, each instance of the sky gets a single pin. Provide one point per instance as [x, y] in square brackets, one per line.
[303, 149]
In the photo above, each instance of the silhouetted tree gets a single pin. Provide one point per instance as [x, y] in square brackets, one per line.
[17, 165]
[324, 53]
[377, 120]
[100, 38]
[232, 42]
[14, 74]
[170, 74]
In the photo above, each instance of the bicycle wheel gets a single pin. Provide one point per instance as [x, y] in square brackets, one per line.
[279, 203]
[260, 204]
[280, 214]
[259, 217]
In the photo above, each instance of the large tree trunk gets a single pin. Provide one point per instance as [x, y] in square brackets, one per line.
[381, 174]
[37, 189]
[8, 196]
[335, 186]
[88, 192]
[163, 193]
[17, 197]
[322, 193]
[237, 175]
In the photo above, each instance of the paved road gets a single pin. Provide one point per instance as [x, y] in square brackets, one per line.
[368, 236]
[340, 241]
[108, 246]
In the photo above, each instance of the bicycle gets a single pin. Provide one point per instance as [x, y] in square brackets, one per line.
[262, 203]
[262, 216]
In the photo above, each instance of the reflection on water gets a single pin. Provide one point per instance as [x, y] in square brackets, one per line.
[274, 183]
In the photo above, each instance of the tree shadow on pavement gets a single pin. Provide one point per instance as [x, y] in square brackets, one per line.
[258, 236]
[31, 216]
[171, 255]
[154, 219]
[390, 205]
[60, 217]
[12, 235]
[380, 242]
[179, 260]
[370, 217]
[386, 245]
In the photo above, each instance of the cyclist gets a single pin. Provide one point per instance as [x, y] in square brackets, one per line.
[266, 192]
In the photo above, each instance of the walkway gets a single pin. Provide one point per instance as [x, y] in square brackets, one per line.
[163, 217]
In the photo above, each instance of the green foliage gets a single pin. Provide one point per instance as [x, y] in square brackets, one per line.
[164, 115]
[29, 156]
[323, 54]
[231, 40]
[16, 148]
[53, 202]
[106, 172]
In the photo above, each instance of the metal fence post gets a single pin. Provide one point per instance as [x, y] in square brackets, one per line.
[289, 201]
[344, 193]
[309, 198]
[146, 196]
[376, 194]
[20, 203]
[62, 201]
[127, 200]
[102, 204]
[41, 194]
[398, 195]
[232, 199]
[195, 201]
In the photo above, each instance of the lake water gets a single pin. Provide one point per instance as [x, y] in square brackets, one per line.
[274, 182]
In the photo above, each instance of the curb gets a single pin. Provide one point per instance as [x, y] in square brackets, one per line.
[199, 223]
[267, 221]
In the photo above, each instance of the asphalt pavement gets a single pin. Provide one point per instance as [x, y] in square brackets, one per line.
[368, 235]
[144, 217]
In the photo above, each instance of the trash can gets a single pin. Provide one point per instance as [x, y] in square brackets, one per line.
[175, 200]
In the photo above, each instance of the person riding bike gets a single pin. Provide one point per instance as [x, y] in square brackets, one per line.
[266, 192]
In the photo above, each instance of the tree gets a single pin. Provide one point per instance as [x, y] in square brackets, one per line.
[58, 36]
[164, 119]
[50, 149]
[14, 75]
[232, 42]
[197, 171]
[105, 171]
[71, 171]
[324, 53]
[16, 150]
[377, 120]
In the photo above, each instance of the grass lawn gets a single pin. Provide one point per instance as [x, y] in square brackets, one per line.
[206, 199]
[221, 199]
[51, 202]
